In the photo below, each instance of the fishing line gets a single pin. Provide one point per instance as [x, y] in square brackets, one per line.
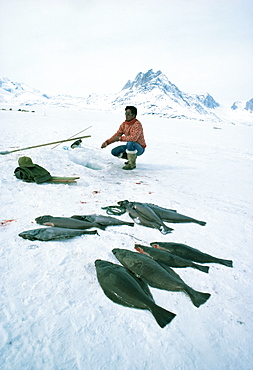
[131, 236]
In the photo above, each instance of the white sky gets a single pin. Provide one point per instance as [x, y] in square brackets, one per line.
[82, 46]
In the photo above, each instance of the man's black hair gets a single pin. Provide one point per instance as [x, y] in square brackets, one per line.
[132, 109]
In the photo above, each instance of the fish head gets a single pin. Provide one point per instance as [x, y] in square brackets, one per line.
[124, 256]
[123, 203]
[155, 245]
[115, 250]
[41, 219]
[101, 263]
[119, 253]
[98, 262]
[29, 234]
[139, 248]
[142, 249]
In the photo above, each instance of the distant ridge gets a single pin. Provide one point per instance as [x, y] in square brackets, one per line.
[152, 92]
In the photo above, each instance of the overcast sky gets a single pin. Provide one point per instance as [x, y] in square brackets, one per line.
[82, 46]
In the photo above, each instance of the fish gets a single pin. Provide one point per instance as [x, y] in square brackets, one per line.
[103, 220]
[166, 215]
[145, 216]
[66, 222]
[124, 288]
[185, 251]
[168, 258]
[53, 233]
[156, 276]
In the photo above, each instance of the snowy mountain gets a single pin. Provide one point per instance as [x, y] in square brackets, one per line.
[155, 94]
[248, 105]
[16, 91]
[151, 92]
[21, 94]
[151, 80]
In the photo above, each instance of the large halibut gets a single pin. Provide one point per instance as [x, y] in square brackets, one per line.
[156, 276]
[122, 287]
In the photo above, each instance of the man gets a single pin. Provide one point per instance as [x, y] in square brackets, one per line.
[130, 132]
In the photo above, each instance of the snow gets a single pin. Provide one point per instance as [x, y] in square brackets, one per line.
[54, 314]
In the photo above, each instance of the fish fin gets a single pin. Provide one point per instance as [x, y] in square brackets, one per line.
[202, 223]
[202, 268]
[100, 226]
[197, 298]
[162, 316]
[144, 286]
[77, 217]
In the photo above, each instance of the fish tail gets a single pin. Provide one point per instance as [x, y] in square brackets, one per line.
[165, 229]
[130, 223]
[197, 298]
[202, 223]
[227, 263]
[100, 226]
[202, 268]
[91, 232]
[162, 316]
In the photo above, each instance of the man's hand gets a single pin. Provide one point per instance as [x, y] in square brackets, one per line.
[104, 145]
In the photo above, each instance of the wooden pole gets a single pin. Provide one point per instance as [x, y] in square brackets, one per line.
[37, 146]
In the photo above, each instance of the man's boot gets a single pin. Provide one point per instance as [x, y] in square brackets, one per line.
[131, 164]
[123, 155]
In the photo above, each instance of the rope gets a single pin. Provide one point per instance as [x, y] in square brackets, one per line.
[115, 210]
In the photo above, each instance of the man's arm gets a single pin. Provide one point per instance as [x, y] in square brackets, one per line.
[115, 137]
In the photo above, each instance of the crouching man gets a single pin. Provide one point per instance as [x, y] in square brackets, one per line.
[131, 133]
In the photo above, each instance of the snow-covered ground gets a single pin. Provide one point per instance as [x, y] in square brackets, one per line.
[54, 314]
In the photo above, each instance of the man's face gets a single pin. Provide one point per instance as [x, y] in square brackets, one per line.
[129, 115]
